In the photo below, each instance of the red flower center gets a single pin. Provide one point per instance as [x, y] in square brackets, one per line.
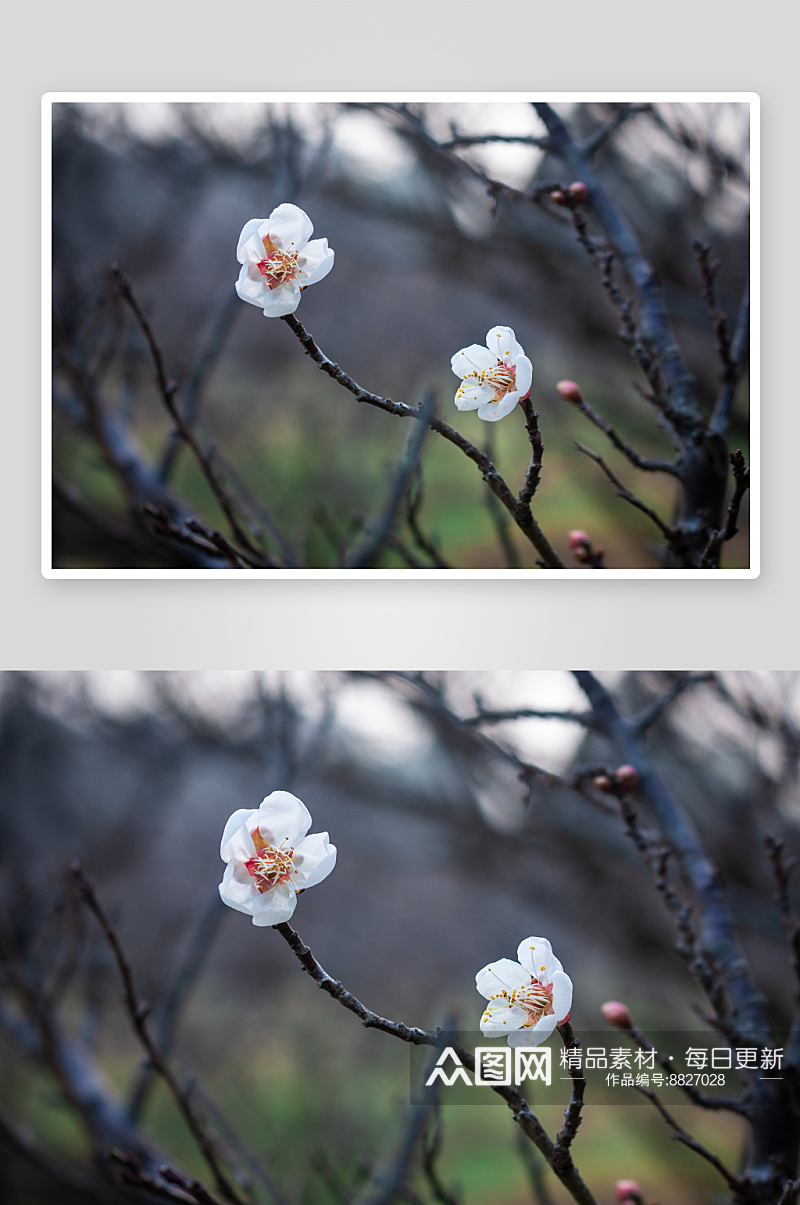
[277, 266]
[270, 866]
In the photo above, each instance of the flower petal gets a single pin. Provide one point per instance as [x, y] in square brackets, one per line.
[492, 412]
[502, 343]
[275, 906]
[470, 397]
[501, 976]
[536, 955]
[472, 359]
[236, 835]
[283, 300]
[235, 893]
[250, 286]
[498, 1018]
[283, 819]
[314, 859]
[290, 227]
[524, 375]
[250, 247]
[537, 1033]
[562, 995]
[315, 261]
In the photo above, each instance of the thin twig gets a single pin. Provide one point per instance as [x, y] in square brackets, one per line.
[380, 527]
[137, 1012]
[430, 1157]
[603, 132]
[167, 389]
[791, 1191]
[167, 1011]
[739, 1184]
[783, 868]
[194, 386]
[483, 716]
[656, 708]
[671, 534]
[656, 858]
[721, 418]
[719, 320]
[640, 462]
[741, 478]
[428, 545]
[459, 140]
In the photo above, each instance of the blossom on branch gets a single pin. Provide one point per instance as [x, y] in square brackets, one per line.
[278, 261]
[270, 858]
[495, 377]
[527, 999]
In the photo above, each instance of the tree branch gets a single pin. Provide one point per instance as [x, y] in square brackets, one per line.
[572, 1113]
[656, 708]
[525, 1118]
[672, 535]
[137, 1012]
[741, 478]
[718, 938]
[783, 868]
[604, 132]
[654, 318]
[640, 462]
[168, 390]
[739, 1185]
[525, 521]
[380, 527]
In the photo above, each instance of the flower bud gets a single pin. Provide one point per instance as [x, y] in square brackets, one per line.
[628, 1190]
[578, 192]
[603, 783]
[627, 778]
[578, 538]
[558, 197]
[616, 1014]
[569, 391]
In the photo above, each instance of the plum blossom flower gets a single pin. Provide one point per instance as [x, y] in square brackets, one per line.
[527, 999]
[278, 260]
[270, 858]
[495, 377]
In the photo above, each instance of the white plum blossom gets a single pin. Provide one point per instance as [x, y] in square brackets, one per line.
[527, 999]
[278, 260]
[270, 858]
[495, 377]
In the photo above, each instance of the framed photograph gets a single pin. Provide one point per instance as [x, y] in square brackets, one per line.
[469, 936]
[421, 335]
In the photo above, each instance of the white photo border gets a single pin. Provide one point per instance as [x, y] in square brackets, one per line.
[750, 98]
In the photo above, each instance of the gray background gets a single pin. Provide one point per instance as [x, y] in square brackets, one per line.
[371, 45]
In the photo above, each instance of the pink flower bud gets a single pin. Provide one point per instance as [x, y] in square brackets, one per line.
[627, 778]
[558, 197]
[578, 538]
[616, 1014]
[578, 192]
[603, 783]
[628, 1190]
[569, 391]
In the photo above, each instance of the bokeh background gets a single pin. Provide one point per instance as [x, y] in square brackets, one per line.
[443, 865]
[424, 266]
